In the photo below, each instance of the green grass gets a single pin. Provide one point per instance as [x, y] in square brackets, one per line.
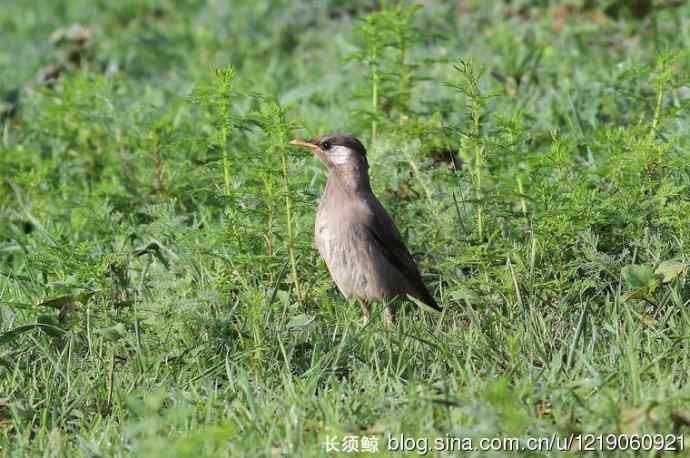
[159, 290]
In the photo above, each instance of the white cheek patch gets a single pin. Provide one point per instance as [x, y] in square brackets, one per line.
[339, 155]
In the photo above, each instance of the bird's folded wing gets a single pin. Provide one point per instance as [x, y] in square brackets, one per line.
[384, 233]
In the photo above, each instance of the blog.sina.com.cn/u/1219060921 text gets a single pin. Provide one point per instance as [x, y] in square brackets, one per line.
[423, 445]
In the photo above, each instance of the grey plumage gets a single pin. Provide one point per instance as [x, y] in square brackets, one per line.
[354, 234]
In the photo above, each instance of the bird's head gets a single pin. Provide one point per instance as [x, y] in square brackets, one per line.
[341, 153]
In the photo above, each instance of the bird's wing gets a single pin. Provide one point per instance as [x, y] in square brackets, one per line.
[384, 233]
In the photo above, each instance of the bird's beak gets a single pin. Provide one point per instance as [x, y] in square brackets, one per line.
[314, 147]
[305, 144]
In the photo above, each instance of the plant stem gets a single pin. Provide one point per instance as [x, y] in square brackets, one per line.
[478, 189]
[374, 92]
[523, 202]
[657, 110]
[403, 80]
[290, 228]
[226, 161]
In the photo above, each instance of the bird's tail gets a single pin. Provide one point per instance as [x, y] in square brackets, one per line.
[426, 297]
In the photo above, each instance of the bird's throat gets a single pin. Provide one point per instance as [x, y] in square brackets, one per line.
[349, 181]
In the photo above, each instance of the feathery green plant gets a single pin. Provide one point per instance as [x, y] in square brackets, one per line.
[387, 37]
[473, 146]
[217, 97]
[278, 130]
[372, 29]
[404, 37]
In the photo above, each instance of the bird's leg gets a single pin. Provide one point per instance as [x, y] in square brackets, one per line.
[366, 311]
[389, 312]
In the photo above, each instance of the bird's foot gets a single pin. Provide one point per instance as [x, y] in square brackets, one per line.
[389, 316]
[366, 311]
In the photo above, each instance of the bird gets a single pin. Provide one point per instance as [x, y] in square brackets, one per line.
[356, 237]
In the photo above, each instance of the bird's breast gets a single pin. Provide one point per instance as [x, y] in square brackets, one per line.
[354, 262]
[335, 240]
[329, 233]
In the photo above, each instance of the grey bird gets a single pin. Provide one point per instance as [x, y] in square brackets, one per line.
[354, 234]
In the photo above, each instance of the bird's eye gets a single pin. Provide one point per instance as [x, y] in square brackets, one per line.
[326, 145]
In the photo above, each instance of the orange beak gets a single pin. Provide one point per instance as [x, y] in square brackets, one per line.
[304, 144]
[314, 147]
